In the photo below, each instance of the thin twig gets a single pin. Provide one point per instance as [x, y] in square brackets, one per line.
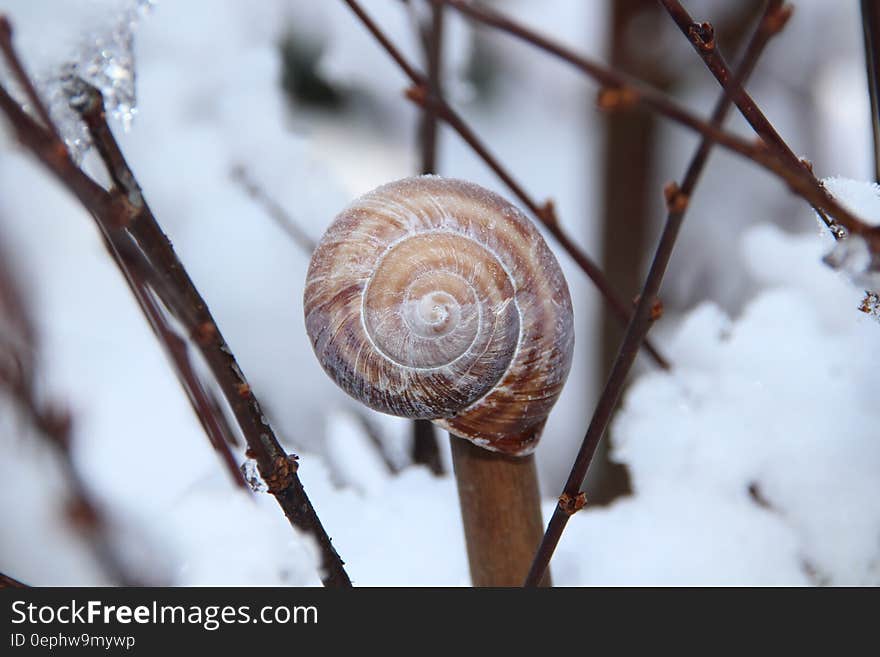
[621, 92]
[207, 409]
[17, 322]
[545, 213]
[18, 380]
[305, 243]
[26, 83]
[140, 279]
[425, 448]
[433, 40]
[371, 431]
[277, 468]
[702, 38]
[124, 209]
[100, 204]
[647, 309]
[277, 213]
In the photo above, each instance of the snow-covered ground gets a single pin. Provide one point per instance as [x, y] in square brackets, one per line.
[754, 462]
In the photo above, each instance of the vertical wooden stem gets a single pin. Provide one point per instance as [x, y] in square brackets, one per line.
[500, 507]
[425, 440]
[629, 201]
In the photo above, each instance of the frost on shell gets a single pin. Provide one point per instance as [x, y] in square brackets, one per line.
[416, 309]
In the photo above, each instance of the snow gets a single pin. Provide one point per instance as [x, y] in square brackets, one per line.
[859, 196]
[778, 400]
[772, 387]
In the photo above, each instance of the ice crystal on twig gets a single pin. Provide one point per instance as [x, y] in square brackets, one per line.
[106, 61]
[252, 476]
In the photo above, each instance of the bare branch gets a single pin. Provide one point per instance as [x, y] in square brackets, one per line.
[206, 407]
[701, 37]
[122, 214]
[22, 78]
[278, 214]
[54, 424]
[620, 92]
[433, 40]
[545, 213]
[647, 311]
[305, 243]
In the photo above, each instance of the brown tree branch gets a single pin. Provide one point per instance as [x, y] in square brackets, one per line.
[205, 405]
[433, 41]
[621, 92]
[628, 145]
[18, 380]
[544, 213]
[648, 307]
[139, 278]
[702, 38]
[305, 243]
[24, 80]
[275, 466]
[123, 210]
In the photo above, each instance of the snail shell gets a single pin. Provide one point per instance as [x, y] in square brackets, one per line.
[435, 298]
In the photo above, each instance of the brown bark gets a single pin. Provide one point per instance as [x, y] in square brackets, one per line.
[628, 201]
[501, 511]
[623, 92]
[630, 198]
[147, 260]
[648, 307]
[545, 212]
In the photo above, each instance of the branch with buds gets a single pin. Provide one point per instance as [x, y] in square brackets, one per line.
[160, 284]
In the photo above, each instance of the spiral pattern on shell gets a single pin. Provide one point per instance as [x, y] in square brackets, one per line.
[435, 298]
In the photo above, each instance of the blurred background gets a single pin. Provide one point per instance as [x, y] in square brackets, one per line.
[220, 106]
